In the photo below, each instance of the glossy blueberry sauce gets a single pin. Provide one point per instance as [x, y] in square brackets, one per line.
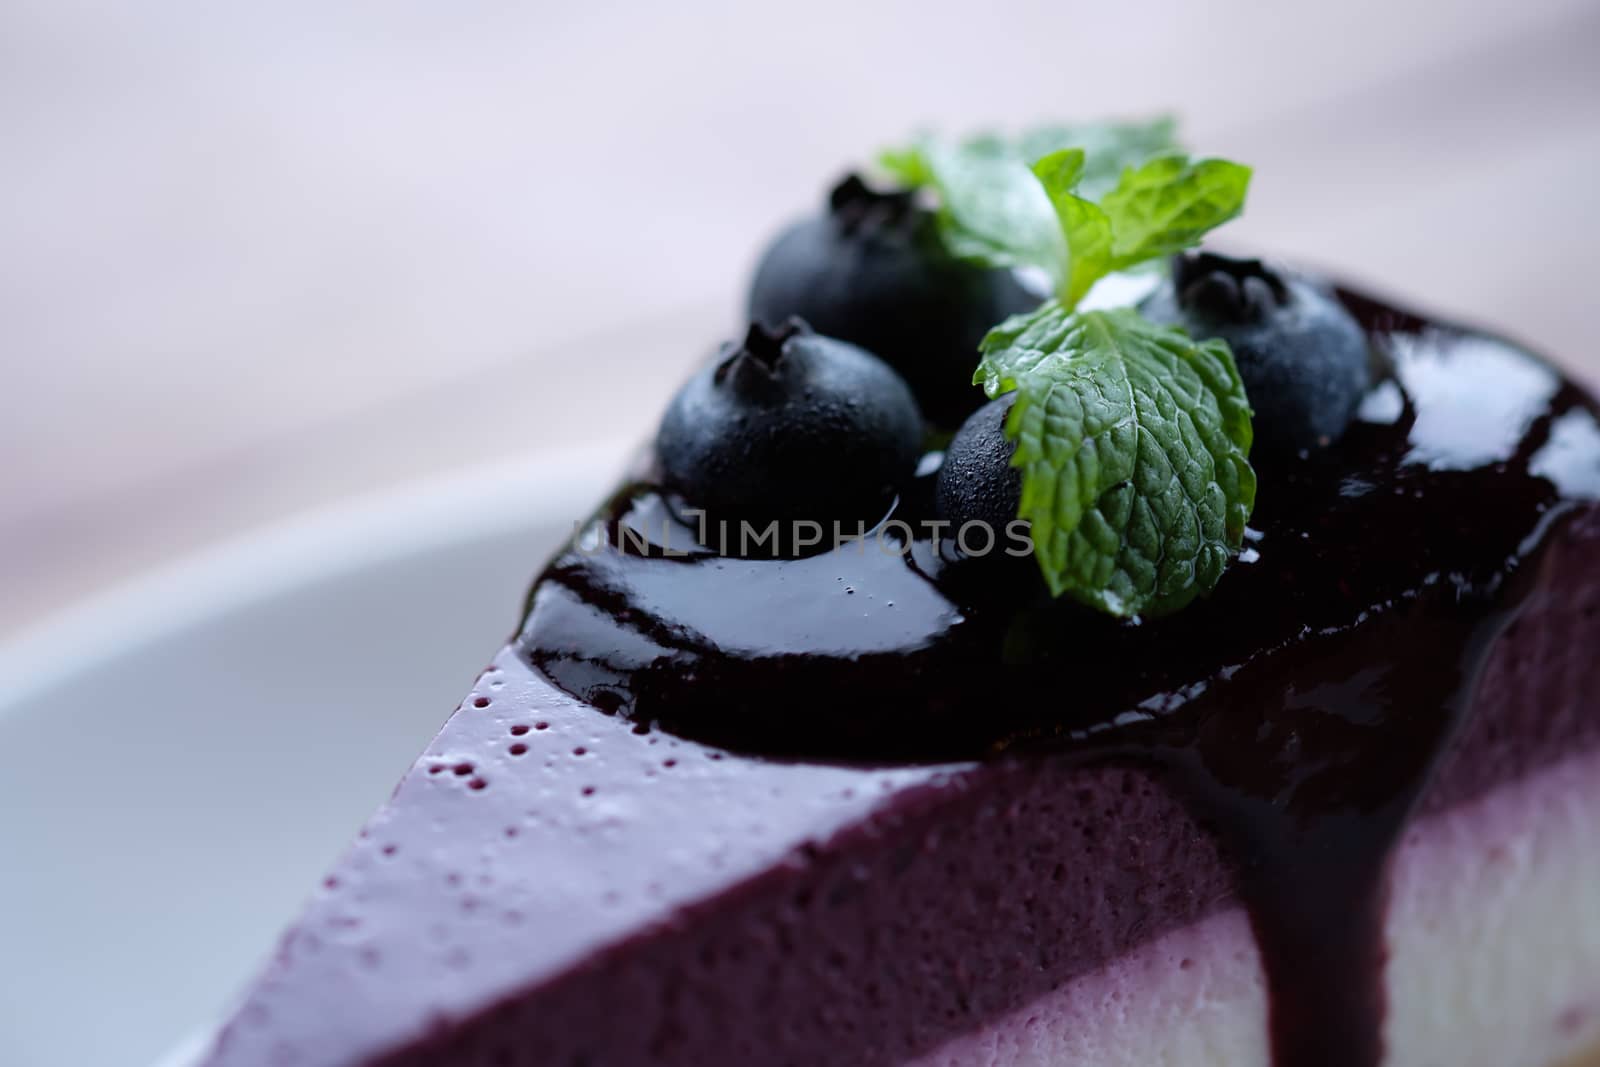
[1299, 711]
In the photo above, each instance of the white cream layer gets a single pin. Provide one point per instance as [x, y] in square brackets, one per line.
[1494, 932]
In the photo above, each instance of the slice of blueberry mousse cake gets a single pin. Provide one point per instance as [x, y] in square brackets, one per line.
[1217, 684]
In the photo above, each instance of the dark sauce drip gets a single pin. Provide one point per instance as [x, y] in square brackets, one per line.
[1300, 709]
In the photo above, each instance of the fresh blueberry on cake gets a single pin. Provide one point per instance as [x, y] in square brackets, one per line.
[790, 426]
[1302, 402]
[981, 677]
[872, 270]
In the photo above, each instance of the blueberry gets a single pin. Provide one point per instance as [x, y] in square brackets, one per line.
[1303, 358]
[977, 482]
[872, 271]
[791, 425]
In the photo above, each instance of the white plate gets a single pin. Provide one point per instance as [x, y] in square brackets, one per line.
[184, 757]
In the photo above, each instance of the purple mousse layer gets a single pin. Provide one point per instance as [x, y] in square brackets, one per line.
[549, 887]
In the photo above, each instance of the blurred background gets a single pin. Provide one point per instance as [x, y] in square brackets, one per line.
[256, 258]
[376, 292]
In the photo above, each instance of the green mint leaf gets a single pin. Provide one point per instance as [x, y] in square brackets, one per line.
[1133, 441]
[991, 209]
[989, 214]
[1110, 147]
[906, 165]
[1084, 226]
[1155, 210]
[1168, 204]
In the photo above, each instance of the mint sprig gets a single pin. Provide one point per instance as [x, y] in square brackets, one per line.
[1133, 439]
[1133, 442]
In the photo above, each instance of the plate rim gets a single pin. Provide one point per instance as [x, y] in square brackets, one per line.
[299, 550]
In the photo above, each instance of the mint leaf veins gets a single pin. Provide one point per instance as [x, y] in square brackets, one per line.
[1132, 439]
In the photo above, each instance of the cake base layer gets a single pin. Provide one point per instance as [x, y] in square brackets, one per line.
[1494, 935]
